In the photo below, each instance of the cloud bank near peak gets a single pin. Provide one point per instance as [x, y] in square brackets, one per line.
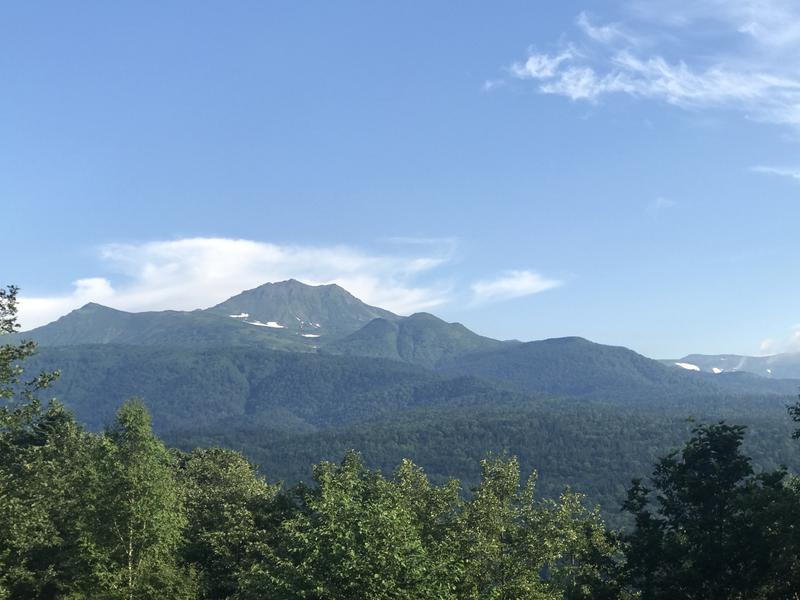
[191, 273]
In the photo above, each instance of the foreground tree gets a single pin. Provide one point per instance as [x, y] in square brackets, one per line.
[41, 453]
[133, 521]
[511, 545]
[360, 535]
[228, 506]
[353, 536]
[709, 528]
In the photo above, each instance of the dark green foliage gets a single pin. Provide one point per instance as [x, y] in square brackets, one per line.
[276, 390]
[709, 528]
[41, 461]
[227, 507]
[594, 448]
[794, 413]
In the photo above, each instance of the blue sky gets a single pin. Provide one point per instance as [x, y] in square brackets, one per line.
[625, 171]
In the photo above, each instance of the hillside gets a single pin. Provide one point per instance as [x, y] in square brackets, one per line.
[188, 388]
[578, 368]
[421, 339]
[97, 324]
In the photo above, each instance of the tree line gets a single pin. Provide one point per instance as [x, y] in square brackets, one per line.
[118, 515]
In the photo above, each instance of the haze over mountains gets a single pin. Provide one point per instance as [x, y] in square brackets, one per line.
[292, 373]
[779, 366]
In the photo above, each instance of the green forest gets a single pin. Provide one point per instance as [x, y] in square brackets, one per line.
[117, 514]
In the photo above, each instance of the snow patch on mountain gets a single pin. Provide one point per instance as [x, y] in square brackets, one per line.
[688, 366]
[271, 324]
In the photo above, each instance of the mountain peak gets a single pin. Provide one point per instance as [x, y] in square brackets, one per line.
[312, 311]
[296, 284]
[94, 307]
[423, 316]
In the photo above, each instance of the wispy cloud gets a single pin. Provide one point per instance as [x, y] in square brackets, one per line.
[606, 34]
[793, 173]
[511, 284]
[540, 66]
[198, 272]
[769, 23]
[755, 72]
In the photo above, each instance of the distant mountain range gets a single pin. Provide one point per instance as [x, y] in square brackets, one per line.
[327, 319]
[292, 370]
[777, 366]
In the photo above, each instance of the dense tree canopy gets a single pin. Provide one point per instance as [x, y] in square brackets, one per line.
[710, 528]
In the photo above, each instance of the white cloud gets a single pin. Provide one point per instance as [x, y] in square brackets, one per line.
[790, 343]
[35, 311]
[754, 70]
[766, 346]
[770, 23]
[539, 66]
[512, 284]
[199, 272]
[793, 173]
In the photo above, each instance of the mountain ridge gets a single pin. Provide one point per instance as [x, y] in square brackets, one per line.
[327, 319]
